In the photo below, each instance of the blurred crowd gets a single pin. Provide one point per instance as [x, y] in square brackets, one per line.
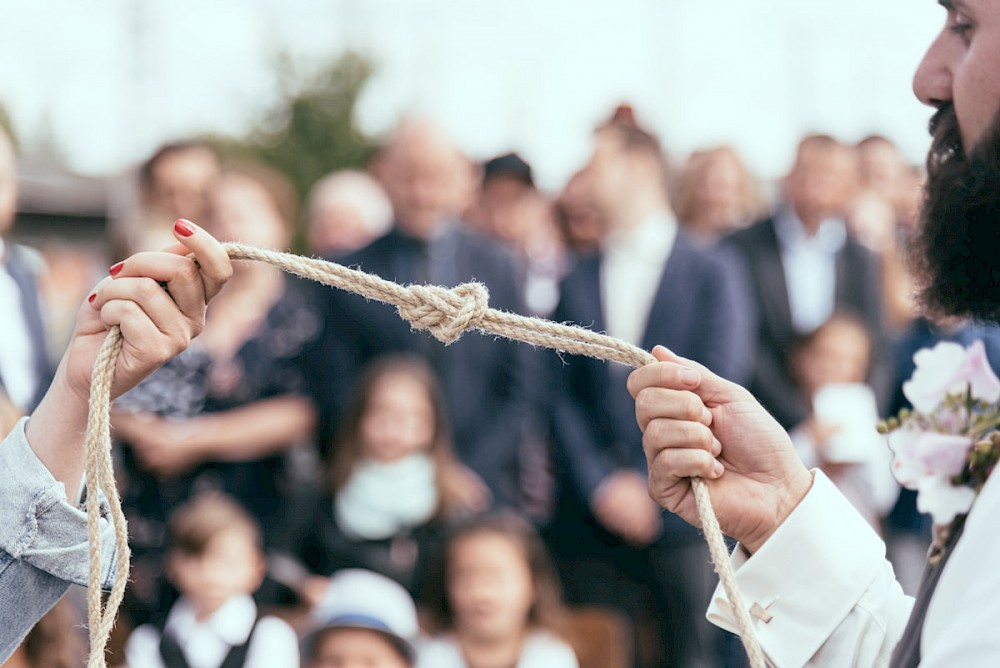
[313, 481]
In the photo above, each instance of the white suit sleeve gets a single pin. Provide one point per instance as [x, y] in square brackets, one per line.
[820, 590]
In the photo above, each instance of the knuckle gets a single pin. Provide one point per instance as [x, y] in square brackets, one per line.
[188, 272]
[659, 433]
[147, 289]
[694, 435]
[646, 403]
[665, 375]
[692, 407]
[127, 308]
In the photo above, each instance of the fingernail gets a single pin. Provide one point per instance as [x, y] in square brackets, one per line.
[706, 416]
[116, 269]
[690, 376]
[716, 447]
[717, 469]
[92, 297]
[183, 228]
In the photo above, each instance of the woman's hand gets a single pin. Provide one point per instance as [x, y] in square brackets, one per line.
[161, 446]
[695, 423]
[158, 300]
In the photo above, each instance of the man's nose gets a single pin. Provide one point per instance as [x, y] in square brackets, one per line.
[933, 79]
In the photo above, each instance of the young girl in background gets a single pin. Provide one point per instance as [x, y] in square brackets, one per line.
[839, 436]
[392, 481]
[497, 603]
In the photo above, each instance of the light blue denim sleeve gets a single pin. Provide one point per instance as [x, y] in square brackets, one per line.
[43, 541]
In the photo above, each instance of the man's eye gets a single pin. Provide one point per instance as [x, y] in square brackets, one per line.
[960, 26]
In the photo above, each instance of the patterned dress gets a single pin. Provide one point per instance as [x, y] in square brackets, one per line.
[194, 383]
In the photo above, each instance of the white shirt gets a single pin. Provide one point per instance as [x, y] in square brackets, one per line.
[16, 359]
[206, 644]
[541, 650]
[631, 268]
[810, 265]
[834, 601]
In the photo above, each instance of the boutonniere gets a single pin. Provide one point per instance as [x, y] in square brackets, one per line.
[946, 447]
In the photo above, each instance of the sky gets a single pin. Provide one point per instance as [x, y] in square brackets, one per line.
[110, 79]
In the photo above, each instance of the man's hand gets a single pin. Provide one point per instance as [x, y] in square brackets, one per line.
[623, 506]
[695, 423]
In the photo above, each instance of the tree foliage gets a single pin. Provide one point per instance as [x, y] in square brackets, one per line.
[310, 130]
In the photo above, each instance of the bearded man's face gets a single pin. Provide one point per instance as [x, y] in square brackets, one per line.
[956, 253]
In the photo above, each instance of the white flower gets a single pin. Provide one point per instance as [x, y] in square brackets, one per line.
[942, 499]
[948, 368]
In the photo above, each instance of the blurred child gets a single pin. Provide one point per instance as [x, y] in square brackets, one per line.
[498, 601]
[392, 480]
[365, 620]
[839, 436]
[216, 561]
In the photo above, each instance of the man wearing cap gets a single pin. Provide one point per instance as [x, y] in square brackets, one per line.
[812, 572]
[365, 619]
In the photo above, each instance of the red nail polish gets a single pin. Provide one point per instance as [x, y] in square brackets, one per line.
[183, 228]
[92, 297]
[116, 269]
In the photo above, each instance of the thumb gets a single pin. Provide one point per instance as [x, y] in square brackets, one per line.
[712, 388]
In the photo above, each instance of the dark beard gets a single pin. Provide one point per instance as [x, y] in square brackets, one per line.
[956, 252]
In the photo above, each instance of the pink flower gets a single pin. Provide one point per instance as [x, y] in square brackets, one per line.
[943, 500]
[923, 454]
[947, 368]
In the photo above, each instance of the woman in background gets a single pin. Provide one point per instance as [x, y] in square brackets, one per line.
[716, 194]
[224, 415]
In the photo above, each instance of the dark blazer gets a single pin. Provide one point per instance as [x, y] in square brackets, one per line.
[24, 271]
[699, 311]
[858, 289]
[485, 381]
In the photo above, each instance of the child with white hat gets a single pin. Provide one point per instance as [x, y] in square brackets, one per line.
[365, 619]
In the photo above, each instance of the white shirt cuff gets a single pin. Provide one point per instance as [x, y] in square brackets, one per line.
[806, 578]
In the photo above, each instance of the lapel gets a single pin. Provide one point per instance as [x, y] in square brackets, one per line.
[588, 299]
[844, 292]
[775, 309]
[667, 311]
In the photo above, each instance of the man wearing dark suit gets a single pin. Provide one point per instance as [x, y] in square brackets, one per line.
[25, 368]
[804, 266]
[649, 283]
[485, 381]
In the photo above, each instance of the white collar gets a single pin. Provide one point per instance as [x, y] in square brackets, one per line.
[649, 239]
[231, 623]
[830, 237]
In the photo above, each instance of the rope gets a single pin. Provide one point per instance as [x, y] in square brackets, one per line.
[446, 314]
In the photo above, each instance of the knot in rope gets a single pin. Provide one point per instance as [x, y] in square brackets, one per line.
[446, 313]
